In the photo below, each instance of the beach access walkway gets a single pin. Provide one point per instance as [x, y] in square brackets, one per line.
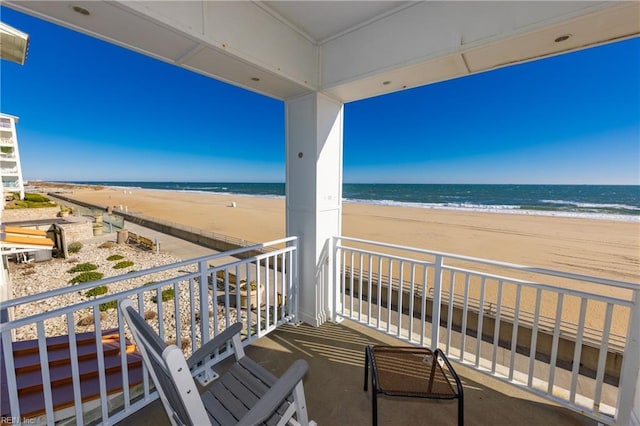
[174, 246]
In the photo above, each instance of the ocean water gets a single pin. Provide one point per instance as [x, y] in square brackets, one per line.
[617, 202]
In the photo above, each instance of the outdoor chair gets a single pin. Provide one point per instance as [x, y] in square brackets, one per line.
[246, 394]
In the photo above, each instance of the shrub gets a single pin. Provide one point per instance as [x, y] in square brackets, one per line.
[83, 267]
[86, 277]
[96, 291]
[87, 320]
[252, 285]
[37, 198]
[149, 283]
[123, 264]
[112, 304]
[167, 295]
[115, 257]
[149, 315]
[74, 247]
[23, 204]
[107, 244]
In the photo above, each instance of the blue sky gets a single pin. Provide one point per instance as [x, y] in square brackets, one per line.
[94, 111]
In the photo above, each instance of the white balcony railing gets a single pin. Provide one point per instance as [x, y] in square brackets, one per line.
[209, 295]
[6, 142]
[527, 337]
[7, 171]
[563, 336]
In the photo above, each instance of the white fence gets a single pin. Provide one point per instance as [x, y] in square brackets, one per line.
[202, 298]
[566, 337]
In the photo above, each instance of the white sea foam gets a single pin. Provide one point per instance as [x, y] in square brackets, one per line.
[592, 205]
[504, 209]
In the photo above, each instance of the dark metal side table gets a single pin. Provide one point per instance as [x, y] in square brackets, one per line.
[409, 371]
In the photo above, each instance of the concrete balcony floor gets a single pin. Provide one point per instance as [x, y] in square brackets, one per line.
[334, 385]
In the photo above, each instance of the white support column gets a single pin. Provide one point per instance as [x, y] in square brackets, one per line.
[314, 194]
[629, 390]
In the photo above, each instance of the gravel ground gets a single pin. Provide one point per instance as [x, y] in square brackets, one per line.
[33, 278]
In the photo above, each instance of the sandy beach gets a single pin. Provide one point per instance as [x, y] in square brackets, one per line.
[602, 248]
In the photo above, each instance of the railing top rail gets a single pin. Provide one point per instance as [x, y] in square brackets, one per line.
[131, 275]
[387, 255]
[125, 293]
[257, 257]
[523, 268]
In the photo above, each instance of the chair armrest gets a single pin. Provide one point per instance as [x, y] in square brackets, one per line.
[275, 396]
[208, 348]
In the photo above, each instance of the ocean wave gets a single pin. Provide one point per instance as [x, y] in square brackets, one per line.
[461, 206]
[504, 209]
[216, 189]
[591, 205]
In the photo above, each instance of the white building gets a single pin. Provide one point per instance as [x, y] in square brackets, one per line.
[10, 168]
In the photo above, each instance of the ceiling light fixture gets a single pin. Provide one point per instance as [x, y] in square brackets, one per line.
[80, 10]
[255, 79]
[386, 83]
[563, 38]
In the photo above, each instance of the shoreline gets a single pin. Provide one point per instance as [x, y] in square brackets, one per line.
[490, 209]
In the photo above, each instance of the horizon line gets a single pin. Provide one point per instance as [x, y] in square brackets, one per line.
[347, 183]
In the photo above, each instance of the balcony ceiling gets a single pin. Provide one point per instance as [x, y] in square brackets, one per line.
[348, 50]
[320, 23]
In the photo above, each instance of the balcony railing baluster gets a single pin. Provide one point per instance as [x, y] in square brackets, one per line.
[488, 315]
[258, 261]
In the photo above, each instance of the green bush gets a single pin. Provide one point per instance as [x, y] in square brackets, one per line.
[115, 257]
[123, 264]
[96, 291]
[23, 204]
[112, 304]
[38, 198]
[149, 283]
[167, 294]
[86, 277]
[74, 247]
[83, 267]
